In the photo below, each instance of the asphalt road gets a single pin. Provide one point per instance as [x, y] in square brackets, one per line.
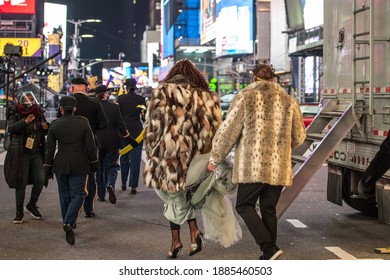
[135, 229]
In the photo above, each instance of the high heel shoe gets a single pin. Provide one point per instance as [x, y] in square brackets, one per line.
[197, 247]
[173, 254]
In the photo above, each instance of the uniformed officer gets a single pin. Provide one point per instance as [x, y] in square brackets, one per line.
[75, 158]
[90, 108]
[133, 107]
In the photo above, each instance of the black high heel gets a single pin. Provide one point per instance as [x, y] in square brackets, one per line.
[173, 254]
[197, 247]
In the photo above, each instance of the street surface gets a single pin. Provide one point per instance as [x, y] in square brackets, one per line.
[135, 229]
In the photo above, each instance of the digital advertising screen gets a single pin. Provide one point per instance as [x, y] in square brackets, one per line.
[207, 20]
[55, 18]
[168, 27]
[114, 75]
[17, 6]
[234, 27]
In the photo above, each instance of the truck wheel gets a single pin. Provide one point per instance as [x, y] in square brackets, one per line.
[367, 207]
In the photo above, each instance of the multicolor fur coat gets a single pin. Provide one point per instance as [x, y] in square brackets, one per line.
[265, 124]
[181, 121]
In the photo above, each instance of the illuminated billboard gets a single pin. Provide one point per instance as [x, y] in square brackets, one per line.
[234, 27]
[55, 20]
[113, 75]
[168, 27]
[207, 20]
[17, 6]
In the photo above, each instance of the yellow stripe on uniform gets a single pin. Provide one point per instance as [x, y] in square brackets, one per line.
[128, 148]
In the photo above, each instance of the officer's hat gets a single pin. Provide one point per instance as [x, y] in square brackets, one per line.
[79, 81]
[130, 83]
[100, 89]
[68, 101]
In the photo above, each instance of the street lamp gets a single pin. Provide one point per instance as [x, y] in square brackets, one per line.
[74, 51]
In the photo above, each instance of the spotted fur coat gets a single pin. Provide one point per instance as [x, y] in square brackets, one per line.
[265, 124]
[181, 122]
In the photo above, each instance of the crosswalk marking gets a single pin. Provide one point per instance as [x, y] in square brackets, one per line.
[296, 223]
[341, 253]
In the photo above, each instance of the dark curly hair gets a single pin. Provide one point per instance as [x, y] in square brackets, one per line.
[264, 71]
[187, 68]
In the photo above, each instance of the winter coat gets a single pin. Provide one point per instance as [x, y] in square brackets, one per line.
[13, 160]
[265, 124]
[181, 121]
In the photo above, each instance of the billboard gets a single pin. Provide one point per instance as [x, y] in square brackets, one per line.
[234, 27]
[17, 6]
[55, 21]
[207, 20]
[113, 74]
[31, 47]
[168, 27]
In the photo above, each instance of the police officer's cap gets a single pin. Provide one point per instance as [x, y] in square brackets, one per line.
[130, 83]
[68, 101]
[79, 81]
[100, 89]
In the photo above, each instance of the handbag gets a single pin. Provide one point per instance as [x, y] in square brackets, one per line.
[7, 139]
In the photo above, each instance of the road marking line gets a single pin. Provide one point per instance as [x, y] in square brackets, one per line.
[296, 223]
[341, 253]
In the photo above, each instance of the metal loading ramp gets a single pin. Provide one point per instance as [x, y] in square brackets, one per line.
[345, 120]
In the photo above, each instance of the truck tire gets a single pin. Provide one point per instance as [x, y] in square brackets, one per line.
[367, 207]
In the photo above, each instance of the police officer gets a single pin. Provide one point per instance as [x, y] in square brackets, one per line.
[132, 107]
[90, 108]
[110, 142]
[76, 157]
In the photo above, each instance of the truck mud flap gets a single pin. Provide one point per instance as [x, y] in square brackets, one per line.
[335, 185]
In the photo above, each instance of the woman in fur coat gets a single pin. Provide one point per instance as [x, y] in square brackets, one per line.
[182, 118]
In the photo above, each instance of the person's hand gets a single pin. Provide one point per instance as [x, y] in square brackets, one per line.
[211, 167]
[29, 119]
[130, 141]
[47, 171]
[44, 125]
[94, 166]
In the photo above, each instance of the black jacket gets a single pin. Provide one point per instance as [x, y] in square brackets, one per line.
[130, 105]
[90, 108]
[76, 146]
[109, 138]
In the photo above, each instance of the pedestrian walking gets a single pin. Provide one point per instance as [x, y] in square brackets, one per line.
[264, 124]
[109, 145]
[23, 162]
[89, 107]
[132, 107]
[75, 159]
[182, 118]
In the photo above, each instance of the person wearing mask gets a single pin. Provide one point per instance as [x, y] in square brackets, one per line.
[132, 107]
[182, 117]
[264, 124]
[110, 143]
[75, 159]
[89, 107]
[23, 163]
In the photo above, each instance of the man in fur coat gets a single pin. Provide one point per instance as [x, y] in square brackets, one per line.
[182, 118]
[264, 123]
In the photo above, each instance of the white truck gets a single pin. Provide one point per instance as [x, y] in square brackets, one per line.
[355, 118]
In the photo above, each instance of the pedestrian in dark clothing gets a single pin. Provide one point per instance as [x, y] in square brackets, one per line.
[75, 159]
[264, 124]
[110, 143]
[23, 163]
[132, 107]
[90, 108]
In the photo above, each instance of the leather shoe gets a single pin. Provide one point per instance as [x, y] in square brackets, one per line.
[69, 234]
[111, 194]
[90, 215]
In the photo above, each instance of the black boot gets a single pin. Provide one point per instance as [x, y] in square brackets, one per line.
[377, 168]
[19, 215]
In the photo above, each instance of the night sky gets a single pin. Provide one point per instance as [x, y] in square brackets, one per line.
[114, 34]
